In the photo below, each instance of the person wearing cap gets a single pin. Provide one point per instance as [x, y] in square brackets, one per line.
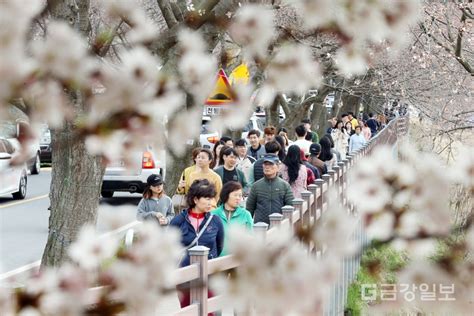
[155, 204]
[272, 148]
[315, 151]
[269, 194]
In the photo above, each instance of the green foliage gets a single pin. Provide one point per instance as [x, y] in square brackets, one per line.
[379, 265]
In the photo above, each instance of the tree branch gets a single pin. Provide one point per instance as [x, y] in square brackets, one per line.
[460, 128]
[162, 44]
[167, 12]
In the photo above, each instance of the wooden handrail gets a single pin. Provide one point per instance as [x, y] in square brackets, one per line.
[187, 274]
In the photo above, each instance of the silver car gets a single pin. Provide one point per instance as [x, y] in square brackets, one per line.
[118, 177]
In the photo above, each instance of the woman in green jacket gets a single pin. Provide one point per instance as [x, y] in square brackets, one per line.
[230, 211]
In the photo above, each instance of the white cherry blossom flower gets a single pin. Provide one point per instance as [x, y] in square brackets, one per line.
[253, 28]
[416, 249]
[114, 217]
[191, 41]
[273, 277]
[292, 70]
[48, 102]
[64, 54]
[316, 13]
[350, 61]
[110, 145]
[381, 226]
[89, 251]
[236, 115]
[142, 27]
[371, 196]
[332, 233]
[197, 67]
[181, 136]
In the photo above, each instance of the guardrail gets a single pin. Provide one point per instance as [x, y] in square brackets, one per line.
[18, 276]
[304, 211]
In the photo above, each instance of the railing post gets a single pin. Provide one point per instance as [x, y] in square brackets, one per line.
[342, 180]
[198, 255]
[337, 180]
[331, 174]
[260, 229]
[287, 212]
[320, 200]
[298, 205]
[349, 160]
[306, 196]
[313, 188]
[275, 219]
[326, 178]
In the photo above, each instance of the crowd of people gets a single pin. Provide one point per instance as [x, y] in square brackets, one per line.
[242, 182]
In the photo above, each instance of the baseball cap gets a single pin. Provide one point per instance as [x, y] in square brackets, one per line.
[271, 158]
[154, 180]
[315, 149]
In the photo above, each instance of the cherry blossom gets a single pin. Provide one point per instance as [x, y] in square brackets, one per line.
[270, 276]
[89, 251]
[293, 69]
[64, 54]
[253, 28]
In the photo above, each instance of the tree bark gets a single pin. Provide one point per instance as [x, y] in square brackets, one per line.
[297, 113]
[74, 194]
[350, 103]
[273, 112]
[319, 113]
[76, 175]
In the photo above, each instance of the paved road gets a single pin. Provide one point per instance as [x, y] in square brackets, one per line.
[24, 223]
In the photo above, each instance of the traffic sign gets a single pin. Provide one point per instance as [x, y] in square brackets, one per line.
[240, 75]
[222, 92]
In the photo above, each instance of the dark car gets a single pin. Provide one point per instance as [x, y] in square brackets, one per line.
[45, 145]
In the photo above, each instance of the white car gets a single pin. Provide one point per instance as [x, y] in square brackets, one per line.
[119, 178]
[255, 122]
[12, 130]
[13, 179]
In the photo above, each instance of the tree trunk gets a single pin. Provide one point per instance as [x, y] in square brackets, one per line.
[299, 112]
[74, 193]
[273, 113]
[319, 112]
[76, 175]
[350, 103]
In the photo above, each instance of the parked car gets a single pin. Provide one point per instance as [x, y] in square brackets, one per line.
[208, 137]
[45, 145]
[13, 179]
[12, 131]
[118, 177]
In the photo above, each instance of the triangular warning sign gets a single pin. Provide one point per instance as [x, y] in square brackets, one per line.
[222, 92]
